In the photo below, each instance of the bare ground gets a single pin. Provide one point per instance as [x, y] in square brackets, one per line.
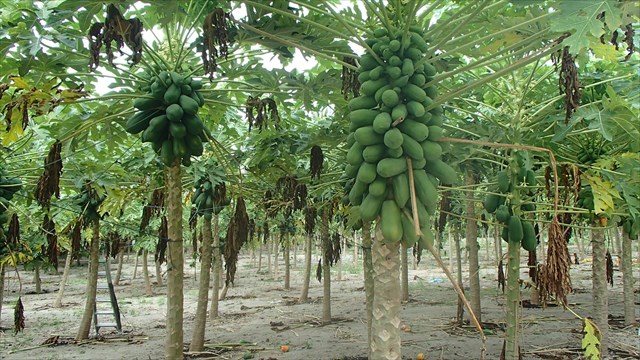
[258, 316]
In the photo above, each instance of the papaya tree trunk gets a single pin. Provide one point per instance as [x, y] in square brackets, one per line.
[197, 338]
[63, 282]
[217, 269]
[355, 248]
[405, 273]
[326, 269]
[92, 281]
[37, 280]
[175, 263]
[145, 273]
[135, 265]
[472, 245]
[276, 252]
[367, 266]
[304, 296]
[287, 263]
[260, 246]
[627, 281]
[599, 283]
[268, 246]
[119, 269]
[513, 301]
[460, 309]
[1, 290]
[158, 267]
[385, 328]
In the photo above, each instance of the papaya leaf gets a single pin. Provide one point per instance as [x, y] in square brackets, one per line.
[591, 340]
[603, 193]
[581, 18]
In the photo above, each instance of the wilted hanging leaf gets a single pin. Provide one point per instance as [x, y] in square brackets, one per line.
[115, 28]
[316, 162]
[163, 236]
[49, 230]
[153, 208]
[13, 236]
[319, 271]
[553, 278]
[76, 236]
[18, 317]
[237, 234]
[266, 112]
[310, 220]
[49, 181]
[350, 83]
[609, 265]
[216, 40]
[568, 81]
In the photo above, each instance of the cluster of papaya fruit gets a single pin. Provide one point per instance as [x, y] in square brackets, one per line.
[631, 227]
[89, 202]
[585, 198]
[394, 125]
[588, 155]
[516, 230]
[204, 199]
[8, 187]
[168, 117]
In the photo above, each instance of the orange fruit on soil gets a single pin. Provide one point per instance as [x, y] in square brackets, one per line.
[284, 348]
[420, 357]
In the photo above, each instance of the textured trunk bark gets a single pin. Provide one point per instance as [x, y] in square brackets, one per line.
[260, 246]
[217, 269]
[287, 264]
[405, 273]
[497, 243]
[367, 266]
[599, 282]
[627, 282]
[92, 281]
[326, 269]
[355, 249]
[135, 266]
[1, 290]
[472, 245]
[618, 242]
[295, 256]
[513, 302]
[385, 329]
[451, 252]
[175, 264]
[63, 282]
[460, 310]
[268, 246]
[276, 252]
[145, 273]
[158, 268]
[197, 338]
[304, 296]
[119, 269]
[37, 280]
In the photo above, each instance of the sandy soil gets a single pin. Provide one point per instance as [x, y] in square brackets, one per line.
[258, 316]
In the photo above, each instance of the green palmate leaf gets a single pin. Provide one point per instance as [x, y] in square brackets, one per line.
[603, 193]
[582, 19]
